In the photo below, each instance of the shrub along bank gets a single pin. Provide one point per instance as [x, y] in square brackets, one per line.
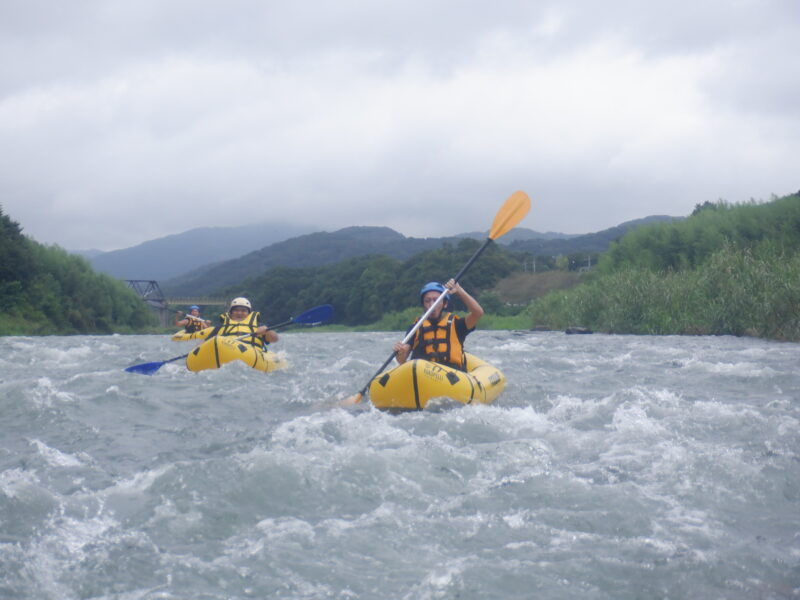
[670, 279]
[45, 290]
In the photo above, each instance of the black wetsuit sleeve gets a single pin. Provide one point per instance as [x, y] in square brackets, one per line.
[461, 330]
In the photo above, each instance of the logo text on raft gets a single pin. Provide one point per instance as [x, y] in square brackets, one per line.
[434, 371]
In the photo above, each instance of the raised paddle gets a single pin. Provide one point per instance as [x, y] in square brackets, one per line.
[193, 318]
[510, 214]
[316, 316]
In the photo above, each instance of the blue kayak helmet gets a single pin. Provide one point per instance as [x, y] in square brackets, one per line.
[433, 286]
[194, 307]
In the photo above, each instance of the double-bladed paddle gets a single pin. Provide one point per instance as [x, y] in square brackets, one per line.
[510, 214]
[316, 316]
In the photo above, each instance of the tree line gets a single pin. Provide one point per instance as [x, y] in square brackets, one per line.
[363, 289]
[727, 269]
[45, 290]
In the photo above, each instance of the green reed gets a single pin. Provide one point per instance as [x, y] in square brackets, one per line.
[737, 291]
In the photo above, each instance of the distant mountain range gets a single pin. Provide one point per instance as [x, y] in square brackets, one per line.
[589, 243]
[520, 234]
[200, 261]
[323, 248]
[173, 255]
[313, 249]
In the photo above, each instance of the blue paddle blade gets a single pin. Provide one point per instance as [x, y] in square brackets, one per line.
[146, 368]
[152, 367]
[315, 316]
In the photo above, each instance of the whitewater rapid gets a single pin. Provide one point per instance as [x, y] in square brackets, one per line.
[612, 467]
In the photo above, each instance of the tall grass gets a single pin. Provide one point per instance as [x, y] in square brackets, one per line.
[736, 292]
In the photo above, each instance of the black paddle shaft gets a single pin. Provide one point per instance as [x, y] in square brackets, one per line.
[460, 274]
[475, 256]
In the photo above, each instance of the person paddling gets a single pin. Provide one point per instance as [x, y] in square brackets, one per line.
[241, 320]
[441, 337]
[192, 321]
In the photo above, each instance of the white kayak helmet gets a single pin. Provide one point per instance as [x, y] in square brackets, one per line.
[243, 302]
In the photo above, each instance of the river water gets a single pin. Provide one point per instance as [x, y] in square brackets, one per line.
[612, 467]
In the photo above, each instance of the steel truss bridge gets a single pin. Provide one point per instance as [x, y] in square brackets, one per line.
[149, 291]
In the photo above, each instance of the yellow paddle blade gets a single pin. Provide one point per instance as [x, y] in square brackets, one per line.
[352, 400]
[511, 213]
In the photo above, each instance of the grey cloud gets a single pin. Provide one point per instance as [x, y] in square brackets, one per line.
[123, 121]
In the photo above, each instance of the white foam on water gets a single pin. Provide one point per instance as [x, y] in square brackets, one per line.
[340, 429]
[68, 356]
[55, 457]
[663, 399]
[64, 544]
[286, 528]
[720, 411]
[106, 348]
[516, 520]
[46, 393]
[183, 523]
[630, 419]
[567, 409]
[512, 346]
[72, 535]
[16, 482]
[513, 422]
[136, 484]
[692, 523]
[608, 458]
[739, 369]
[343, 363]
[787, 426]
[439, 581]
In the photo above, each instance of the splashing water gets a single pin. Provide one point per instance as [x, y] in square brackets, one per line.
[611, 467]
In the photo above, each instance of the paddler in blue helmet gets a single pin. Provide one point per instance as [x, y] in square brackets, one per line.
[441, 336]
[192, 321]
[241, 320]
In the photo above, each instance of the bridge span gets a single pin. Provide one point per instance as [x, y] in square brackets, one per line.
[150, 292]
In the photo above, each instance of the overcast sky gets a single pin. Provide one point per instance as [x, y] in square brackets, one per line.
[124, 121]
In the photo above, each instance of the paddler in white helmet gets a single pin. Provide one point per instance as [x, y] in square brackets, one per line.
[241, 320]
[441, 337]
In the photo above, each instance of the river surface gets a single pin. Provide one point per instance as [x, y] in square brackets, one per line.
[612, 467]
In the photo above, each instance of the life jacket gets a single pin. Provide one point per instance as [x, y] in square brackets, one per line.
[194, 324]
[229, 327]
[438, 342]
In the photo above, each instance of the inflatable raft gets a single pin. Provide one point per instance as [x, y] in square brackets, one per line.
[217, 351]
[413, 384]
[184, 336]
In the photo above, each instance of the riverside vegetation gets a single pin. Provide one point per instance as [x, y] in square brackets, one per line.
[726, 270]
[45, 290]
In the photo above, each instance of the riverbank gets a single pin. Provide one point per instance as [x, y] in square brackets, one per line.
[740, 292]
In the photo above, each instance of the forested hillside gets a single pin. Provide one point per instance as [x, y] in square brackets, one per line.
[727, 269]
[46, 290]
[589, 243]
[362, 289]
[174, 255]
[310, 250]
[324, 248]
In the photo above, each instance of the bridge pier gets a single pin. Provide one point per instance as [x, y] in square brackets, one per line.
[150, 292]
